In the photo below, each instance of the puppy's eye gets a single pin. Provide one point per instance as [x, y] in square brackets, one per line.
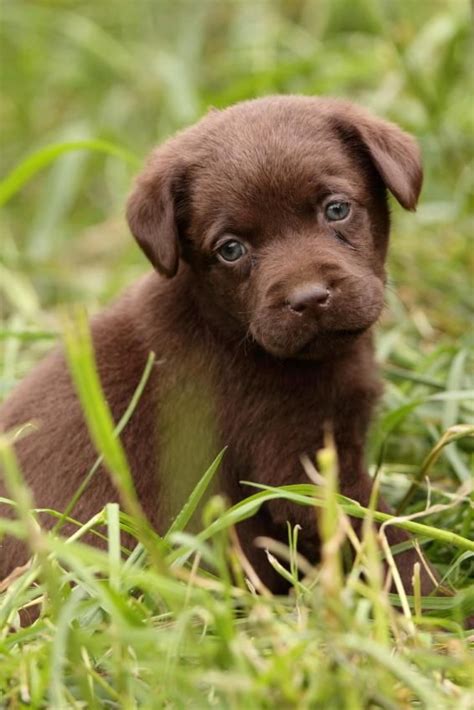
[231, 251]
[335, 211]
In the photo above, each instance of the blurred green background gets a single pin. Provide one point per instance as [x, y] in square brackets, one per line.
[132, 72]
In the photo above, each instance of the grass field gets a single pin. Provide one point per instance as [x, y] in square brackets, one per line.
[87, 89]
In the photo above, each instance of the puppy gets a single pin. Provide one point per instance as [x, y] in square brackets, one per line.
[267, 225]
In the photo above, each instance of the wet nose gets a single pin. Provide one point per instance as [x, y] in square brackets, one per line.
[311, 297]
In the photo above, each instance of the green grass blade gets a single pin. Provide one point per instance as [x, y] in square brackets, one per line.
[113, 538]
[396, 665]
[31, 165]
[307, 494]
[187, 511]
[80, 357]
[117, 431]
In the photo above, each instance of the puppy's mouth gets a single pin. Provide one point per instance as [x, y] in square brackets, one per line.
[329, 332]
[321, 343]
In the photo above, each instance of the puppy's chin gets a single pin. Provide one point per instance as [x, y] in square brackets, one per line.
[321, 345]
[329, 344]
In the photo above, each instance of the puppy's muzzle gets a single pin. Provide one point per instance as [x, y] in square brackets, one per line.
[318, 315]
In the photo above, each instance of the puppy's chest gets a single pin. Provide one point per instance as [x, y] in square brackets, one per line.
[268, 423]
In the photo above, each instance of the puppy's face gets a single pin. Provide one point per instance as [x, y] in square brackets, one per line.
[278, 206]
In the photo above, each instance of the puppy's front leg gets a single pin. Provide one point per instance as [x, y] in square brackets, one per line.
[350, 429]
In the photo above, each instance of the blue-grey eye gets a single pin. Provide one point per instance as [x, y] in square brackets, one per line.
[337, 210]
[231, 250]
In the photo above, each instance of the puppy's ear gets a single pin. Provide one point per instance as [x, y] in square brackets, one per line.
[394, 153]
[152, 214]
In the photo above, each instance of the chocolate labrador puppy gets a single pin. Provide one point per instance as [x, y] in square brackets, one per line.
[267, 225]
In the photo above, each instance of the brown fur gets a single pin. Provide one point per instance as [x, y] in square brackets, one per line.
[236, 365]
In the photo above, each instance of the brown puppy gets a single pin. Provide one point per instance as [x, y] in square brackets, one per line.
[268, 226]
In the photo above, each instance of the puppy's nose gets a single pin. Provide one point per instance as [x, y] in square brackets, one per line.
[312, 297]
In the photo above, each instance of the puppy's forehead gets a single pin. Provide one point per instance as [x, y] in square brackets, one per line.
[271, 158]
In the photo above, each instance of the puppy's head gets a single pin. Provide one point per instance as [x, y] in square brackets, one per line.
[277, 209]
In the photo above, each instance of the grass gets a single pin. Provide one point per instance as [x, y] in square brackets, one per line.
[178, 622]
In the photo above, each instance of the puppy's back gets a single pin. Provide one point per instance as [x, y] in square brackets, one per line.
[52, 443]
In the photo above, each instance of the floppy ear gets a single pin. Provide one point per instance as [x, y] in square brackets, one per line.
[152, 215]
[394, 153]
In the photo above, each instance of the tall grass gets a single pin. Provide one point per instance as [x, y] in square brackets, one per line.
[178, 621]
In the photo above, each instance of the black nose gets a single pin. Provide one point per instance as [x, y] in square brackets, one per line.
[312, 297]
